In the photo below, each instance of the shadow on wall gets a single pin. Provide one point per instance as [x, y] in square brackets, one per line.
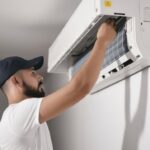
[135, 127]
[3, 103]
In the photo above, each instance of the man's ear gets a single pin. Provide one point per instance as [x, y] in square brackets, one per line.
[17, 81]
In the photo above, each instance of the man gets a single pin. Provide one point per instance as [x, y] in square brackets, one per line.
[23, 124]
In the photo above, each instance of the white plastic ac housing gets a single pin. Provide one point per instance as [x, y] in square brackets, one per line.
[83, 25]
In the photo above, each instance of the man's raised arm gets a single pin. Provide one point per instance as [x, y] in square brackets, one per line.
[83, 81]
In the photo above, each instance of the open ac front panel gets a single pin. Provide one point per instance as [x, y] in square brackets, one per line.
[71, 49]
[124, 65]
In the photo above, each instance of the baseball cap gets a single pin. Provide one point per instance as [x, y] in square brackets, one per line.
[10, 65]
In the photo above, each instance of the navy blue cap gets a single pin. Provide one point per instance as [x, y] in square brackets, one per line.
[10, 65]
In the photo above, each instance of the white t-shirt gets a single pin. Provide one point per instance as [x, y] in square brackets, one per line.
[20, 128]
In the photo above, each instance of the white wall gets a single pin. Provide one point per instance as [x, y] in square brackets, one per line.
[117, 118]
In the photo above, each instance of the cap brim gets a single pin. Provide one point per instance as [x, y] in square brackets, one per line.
[37, 62]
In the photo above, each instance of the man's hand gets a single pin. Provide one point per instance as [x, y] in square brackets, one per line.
[107, 31]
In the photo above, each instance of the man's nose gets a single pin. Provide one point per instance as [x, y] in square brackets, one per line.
[40, 78]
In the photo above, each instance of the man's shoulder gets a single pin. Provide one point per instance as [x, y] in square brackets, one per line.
[26, 101]
[10, 109]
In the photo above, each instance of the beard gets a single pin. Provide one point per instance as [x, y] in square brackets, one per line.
[29, 91]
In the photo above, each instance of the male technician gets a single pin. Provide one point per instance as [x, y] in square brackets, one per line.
[23, 124]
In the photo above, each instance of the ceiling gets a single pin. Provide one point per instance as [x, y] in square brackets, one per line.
[29, 27]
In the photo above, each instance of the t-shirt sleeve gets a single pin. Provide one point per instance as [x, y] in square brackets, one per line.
[25, 115]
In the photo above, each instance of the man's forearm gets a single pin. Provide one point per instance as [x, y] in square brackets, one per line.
[89, 72]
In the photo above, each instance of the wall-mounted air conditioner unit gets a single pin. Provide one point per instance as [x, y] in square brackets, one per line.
[129, 53]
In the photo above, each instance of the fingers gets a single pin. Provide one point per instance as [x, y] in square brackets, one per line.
[107, 30]
[112, 22]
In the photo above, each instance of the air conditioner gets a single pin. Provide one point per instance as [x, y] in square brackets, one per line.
[129, 53]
